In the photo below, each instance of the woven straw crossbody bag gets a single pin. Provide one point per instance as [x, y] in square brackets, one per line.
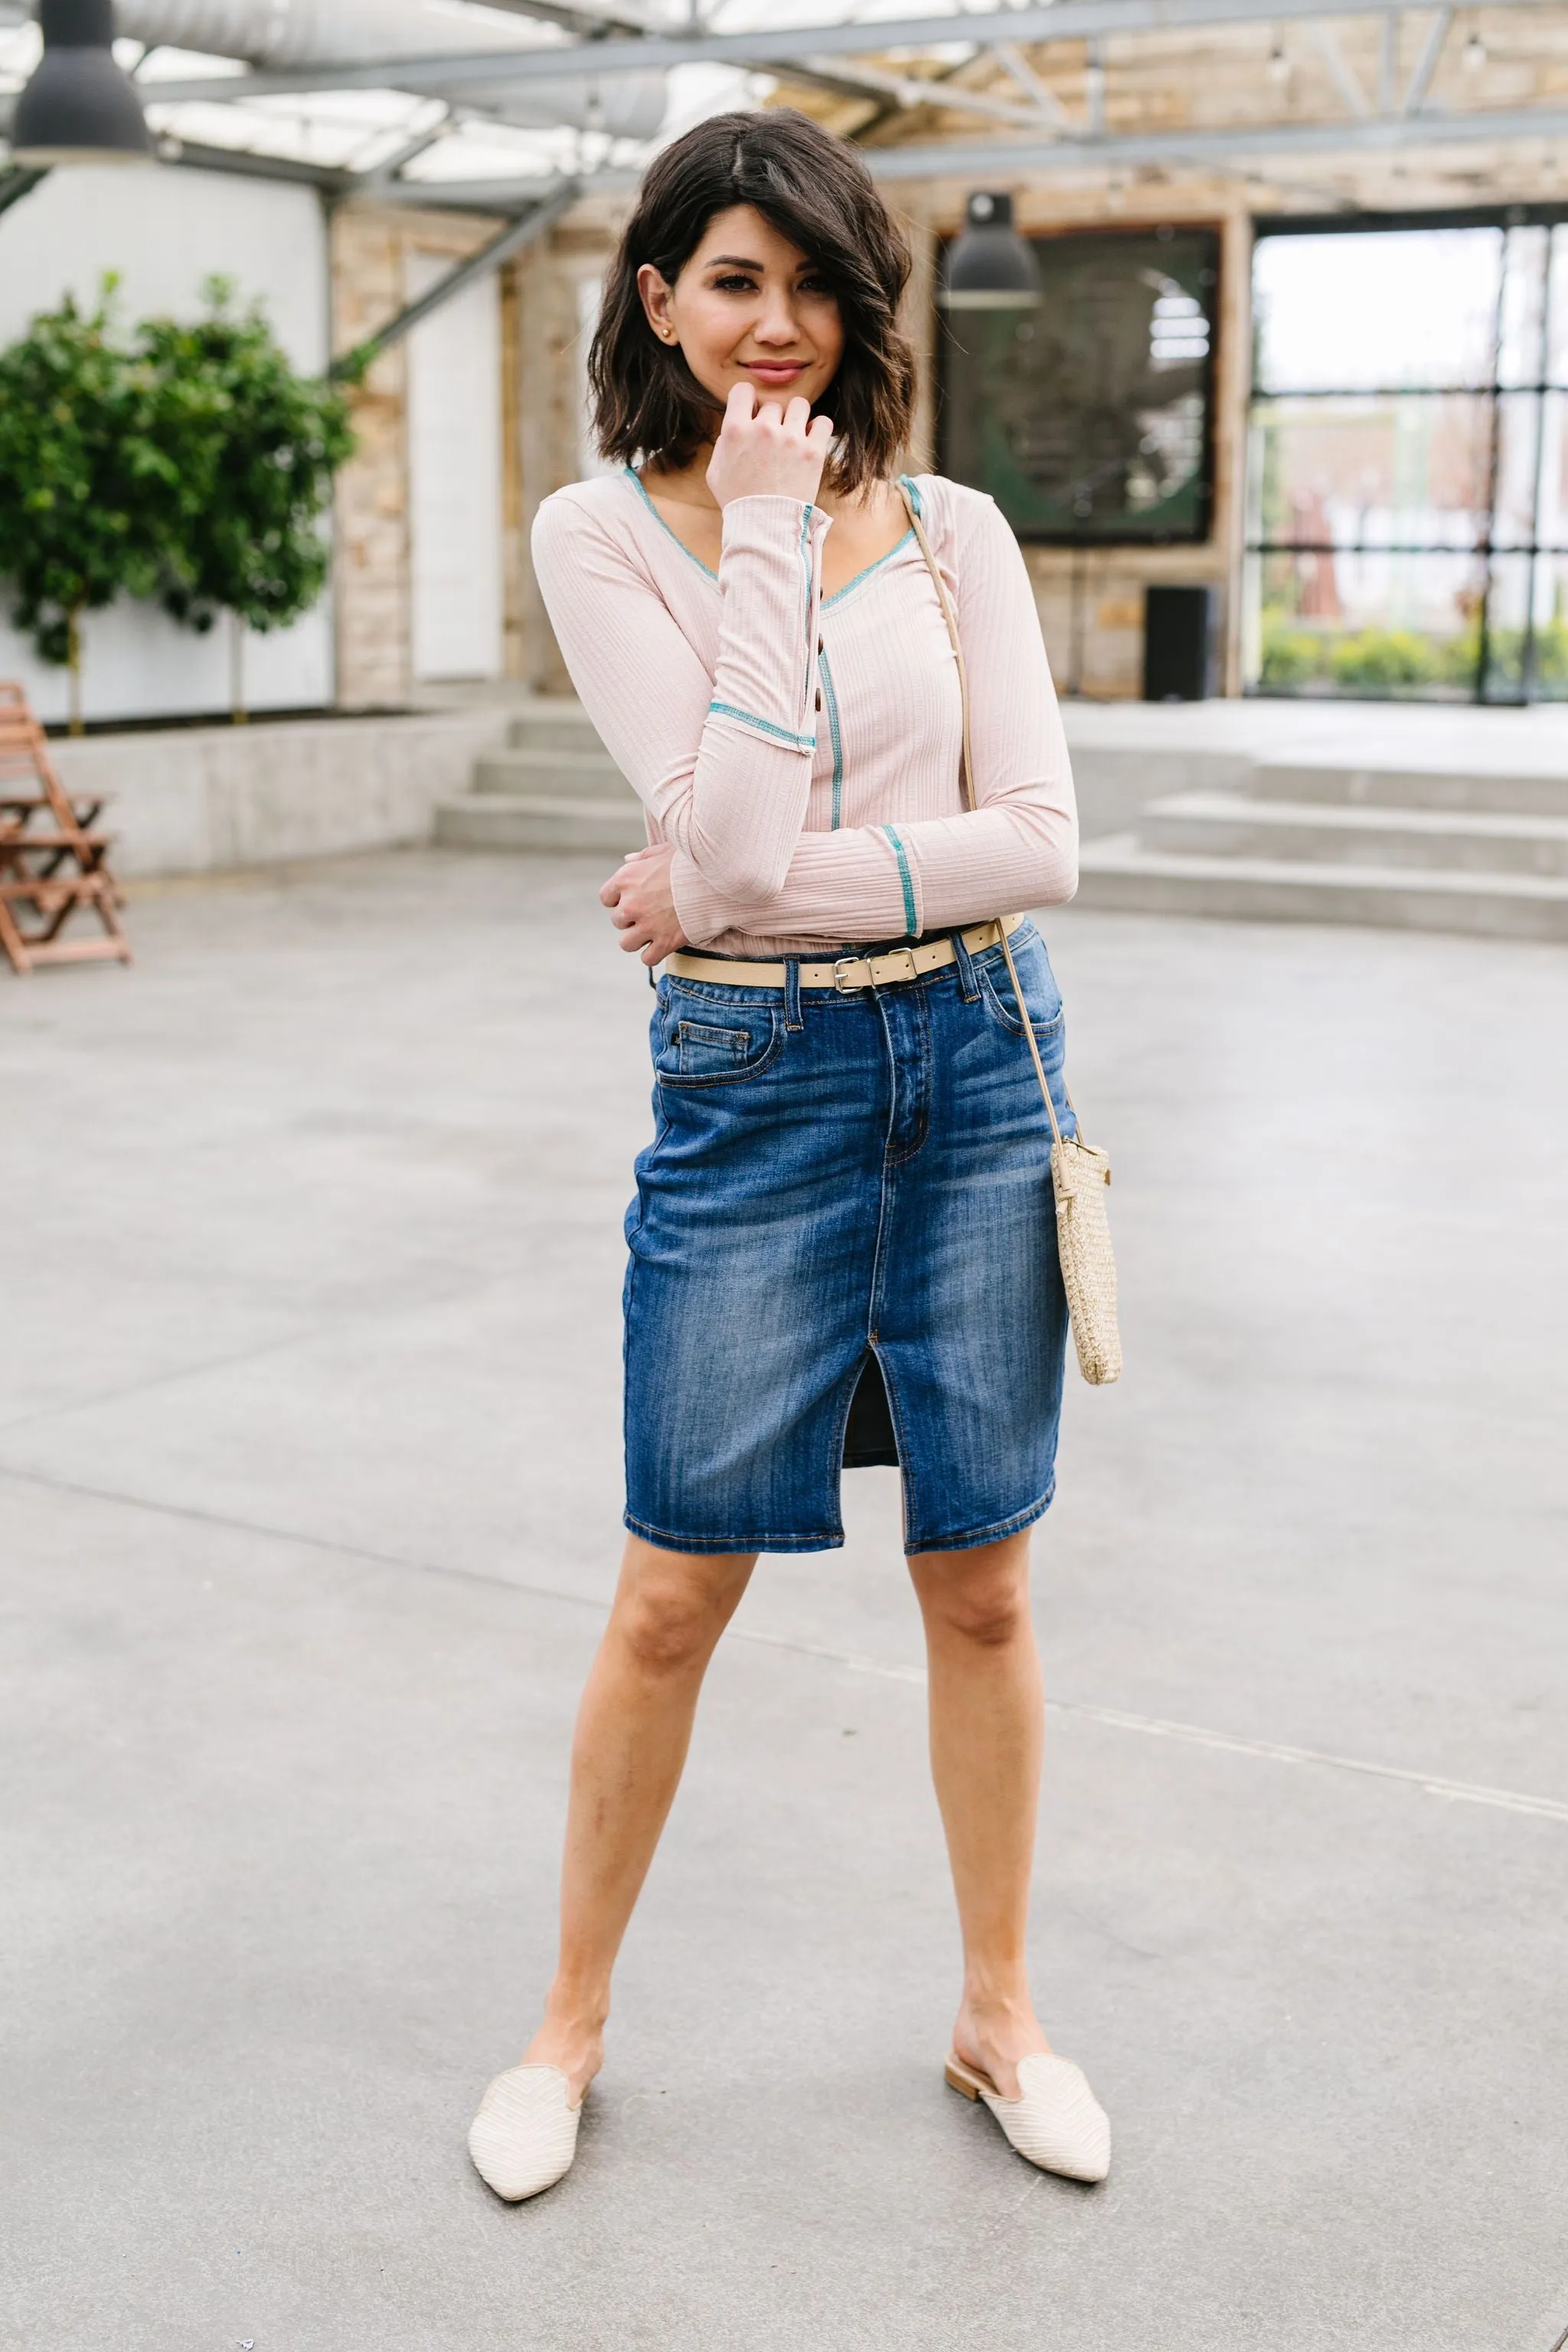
[1080, 1173]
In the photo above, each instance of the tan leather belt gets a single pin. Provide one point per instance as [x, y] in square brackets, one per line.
[847, 972]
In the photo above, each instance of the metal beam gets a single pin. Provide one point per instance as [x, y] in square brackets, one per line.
[14, 185]
[1068, 20]
[508, 196]
[1016, 66]
[909, 91]
[1426, 63]
[511, 239]
[1273, 143]
[885, 109]
[243, 163]
[1338, 67]
[1272, 146]
[837, 80]
[1094, 93]
[501, 196]
[419, 142]
[1389, 67]
[868, 82]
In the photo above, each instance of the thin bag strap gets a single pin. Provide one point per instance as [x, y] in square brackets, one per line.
[907, 493]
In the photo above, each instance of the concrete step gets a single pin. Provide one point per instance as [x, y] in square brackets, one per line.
[1232, 824]
[558, 726]
[1114, 783]
[1121, 873]
[592, 773]
[1537, 793]
[534, 820]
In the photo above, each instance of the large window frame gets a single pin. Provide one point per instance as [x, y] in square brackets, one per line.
[1486, 684]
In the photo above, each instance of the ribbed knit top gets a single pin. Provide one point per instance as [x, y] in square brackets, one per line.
[803, 753]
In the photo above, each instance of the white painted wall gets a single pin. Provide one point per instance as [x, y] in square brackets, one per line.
[454, 479]
[590, 301]
[164, 231]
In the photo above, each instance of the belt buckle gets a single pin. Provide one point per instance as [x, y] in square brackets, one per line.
[914, 972]
[841, 965]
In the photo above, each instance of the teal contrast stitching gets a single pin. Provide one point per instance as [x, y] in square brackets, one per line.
[805, 566]
[750, 718]
[633, 476]
[913, 487]
[905, 878]
[838, 738]
[840, 594]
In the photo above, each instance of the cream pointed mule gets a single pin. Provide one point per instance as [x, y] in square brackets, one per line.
[1057, 2121]
[525, 2135]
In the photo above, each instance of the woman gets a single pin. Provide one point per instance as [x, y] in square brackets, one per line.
[842, 1249]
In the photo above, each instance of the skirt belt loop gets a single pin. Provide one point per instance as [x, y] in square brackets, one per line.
[791, 993]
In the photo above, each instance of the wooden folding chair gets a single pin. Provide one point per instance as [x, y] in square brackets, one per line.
[52, 859]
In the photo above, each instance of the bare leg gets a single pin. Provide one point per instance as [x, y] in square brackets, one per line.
[987, 1726]
[634, 1726]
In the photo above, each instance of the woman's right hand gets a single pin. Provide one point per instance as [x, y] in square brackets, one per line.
[765, 451]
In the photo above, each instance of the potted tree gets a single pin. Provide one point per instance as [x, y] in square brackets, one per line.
[248, 450]
[82, 484]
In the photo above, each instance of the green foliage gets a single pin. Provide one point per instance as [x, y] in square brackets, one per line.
[80, 481]
[1505, 657]
[1381, 660]
[1551, 652]
[248, 450]
[1384, 661]
[1457, 656]
[351, 367]
[1384, 657]
[192, 464]
[1290, 655]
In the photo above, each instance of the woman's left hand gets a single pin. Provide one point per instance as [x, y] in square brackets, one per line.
[642, 906]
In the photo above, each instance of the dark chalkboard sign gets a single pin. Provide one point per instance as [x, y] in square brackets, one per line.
[1089, 419]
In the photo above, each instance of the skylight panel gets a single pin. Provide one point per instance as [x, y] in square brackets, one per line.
[151, 66]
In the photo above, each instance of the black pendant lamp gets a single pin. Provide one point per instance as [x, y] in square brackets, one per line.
[79, 107]
[990, 267]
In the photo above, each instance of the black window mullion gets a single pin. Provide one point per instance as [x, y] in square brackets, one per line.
[1527, 646]
[1483, 632]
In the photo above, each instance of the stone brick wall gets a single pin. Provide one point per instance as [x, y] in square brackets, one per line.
[550, 418]
[371, 244]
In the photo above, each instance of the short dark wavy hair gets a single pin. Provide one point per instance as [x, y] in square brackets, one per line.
[816, 190]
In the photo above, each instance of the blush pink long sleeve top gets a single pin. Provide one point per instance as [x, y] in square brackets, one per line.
[801, 751]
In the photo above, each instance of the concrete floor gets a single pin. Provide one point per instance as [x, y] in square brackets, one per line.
[309, 1489]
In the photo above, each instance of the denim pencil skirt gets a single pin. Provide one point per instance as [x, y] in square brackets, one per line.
[843, 1251]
